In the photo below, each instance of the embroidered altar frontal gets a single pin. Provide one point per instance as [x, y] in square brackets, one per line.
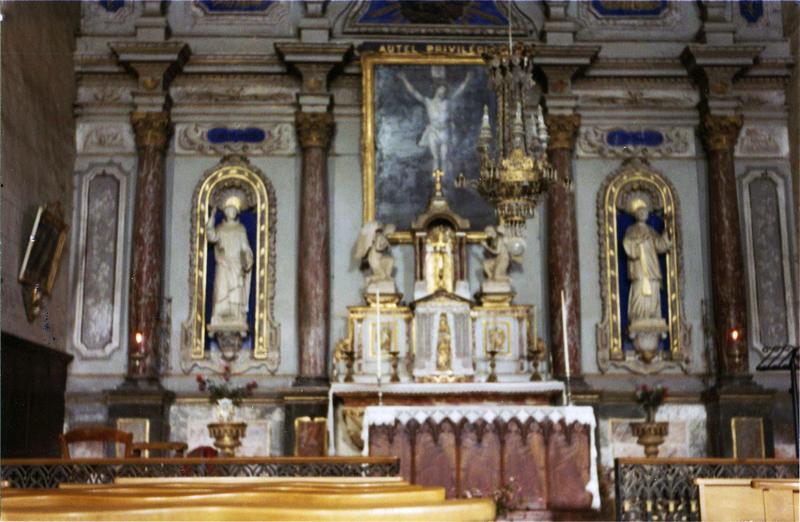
[545, 453]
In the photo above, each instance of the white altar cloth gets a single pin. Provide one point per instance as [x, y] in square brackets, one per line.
[388, 415]
[341, 388]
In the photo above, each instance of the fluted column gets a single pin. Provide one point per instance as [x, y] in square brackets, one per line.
[727, 265]
[151, 131]
[562, 247]
[314, 131]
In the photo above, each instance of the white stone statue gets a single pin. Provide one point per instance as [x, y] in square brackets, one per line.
[234, 265]
[495, 266]
[498, 259]
[373, 247]
[436, 135]
[642, 245]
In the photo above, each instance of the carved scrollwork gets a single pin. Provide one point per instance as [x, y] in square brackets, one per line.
[278, 139]
[676, 142]
[233, 172]
[637, 177]
[562, 129]
[720, 132]
[314, 129]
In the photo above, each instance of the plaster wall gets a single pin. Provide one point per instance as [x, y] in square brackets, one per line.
[38, 150]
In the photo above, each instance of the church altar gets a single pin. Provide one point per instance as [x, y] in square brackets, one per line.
[348, 401]
[548, 450]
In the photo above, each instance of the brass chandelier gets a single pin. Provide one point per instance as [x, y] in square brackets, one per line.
[518, 173]
[514, 169]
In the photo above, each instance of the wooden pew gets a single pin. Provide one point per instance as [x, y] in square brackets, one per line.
[257, 500]
[748, 499]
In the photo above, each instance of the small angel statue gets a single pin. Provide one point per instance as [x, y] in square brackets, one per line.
[498, 259]
[373, 249]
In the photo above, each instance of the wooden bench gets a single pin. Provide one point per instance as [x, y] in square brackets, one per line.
[231, 499]
[749, 499]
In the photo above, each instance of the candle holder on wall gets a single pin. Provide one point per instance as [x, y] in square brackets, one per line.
[492, 365]
[535, 356]
[395, 361]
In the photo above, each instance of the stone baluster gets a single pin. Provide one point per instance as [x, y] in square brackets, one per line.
[151, 130]
[715, 67]
[314, 130]
[155, 62]
[561, 63]
[315, 126]
[562, 247]
[727, 265]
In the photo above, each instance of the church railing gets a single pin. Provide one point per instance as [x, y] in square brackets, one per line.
[49, 473]
[664, 489]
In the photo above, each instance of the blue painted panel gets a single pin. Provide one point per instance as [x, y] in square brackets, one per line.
[112, 6]
[470, 13]
[638, 138]
[751, 10]
[247, 135]
[624, 220]
[236, 6]
[249, 219]
[634, 9]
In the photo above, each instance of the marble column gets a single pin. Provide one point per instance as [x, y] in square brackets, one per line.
[727, 265]
[562, 247]
[151, 131]
[314, 131]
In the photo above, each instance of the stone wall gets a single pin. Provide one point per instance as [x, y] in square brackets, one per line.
[38, 89]
[638, 81]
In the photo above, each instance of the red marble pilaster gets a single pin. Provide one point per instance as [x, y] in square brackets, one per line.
[727, 264]
[151, 130]
[562, 247]
[314, 131]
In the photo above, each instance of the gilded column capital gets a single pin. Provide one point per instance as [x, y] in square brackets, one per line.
[314, 129]
[720, 132]
[151, 129]
[563, 128]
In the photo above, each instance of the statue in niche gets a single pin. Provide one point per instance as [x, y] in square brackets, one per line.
[373, 248]
[642, 245]
[443, 362]
[233, 270]
[436, 135]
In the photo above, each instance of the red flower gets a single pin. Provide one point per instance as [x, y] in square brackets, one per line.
[200, 379]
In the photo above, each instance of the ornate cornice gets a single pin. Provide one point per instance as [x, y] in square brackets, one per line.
[720, 132]
[563, 128]
[151, 129]
[314, 129]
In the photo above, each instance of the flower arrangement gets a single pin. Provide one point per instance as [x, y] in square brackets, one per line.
[505, 497]
[224, 390]
[650, 399]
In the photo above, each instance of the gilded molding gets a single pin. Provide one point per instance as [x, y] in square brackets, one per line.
[637, 175]
[314, 129]
[563, 129]
[720, 132]
[151, 129]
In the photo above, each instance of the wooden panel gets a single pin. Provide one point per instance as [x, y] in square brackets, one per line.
[435, 458]
[568, 467]
[33, 381]
[481, 466]
[524, 458]
[730, 499]
[550, 462]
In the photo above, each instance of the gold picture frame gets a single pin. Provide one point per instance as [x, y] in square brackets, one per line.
[42, 256]
[748, 437]
[434, 56]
